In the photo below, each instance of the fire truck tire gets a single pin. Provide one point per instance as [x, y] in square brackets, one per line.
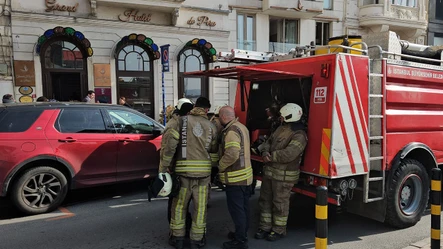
[407, 195]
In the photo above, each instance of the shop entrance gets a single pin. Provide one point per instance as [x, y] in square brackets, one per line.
[64, 71]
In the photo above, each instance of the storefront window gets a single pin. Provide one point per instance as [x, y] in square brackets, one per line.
[134, 75]
[192, 87]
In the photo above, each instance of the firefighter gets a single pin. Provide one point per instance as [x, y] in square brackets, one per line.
[282, 155]
[236, 173]
[215, 119]
[183, 107]
[194, 139]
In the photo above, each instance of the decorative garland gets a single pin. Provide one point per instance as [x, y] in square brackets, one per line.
[69, 32]
[205, 47]
[140, 40]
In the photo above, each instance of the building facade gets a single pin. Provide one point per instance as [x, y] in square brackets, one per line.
[63, 48]
[435, 30]
[6, 72]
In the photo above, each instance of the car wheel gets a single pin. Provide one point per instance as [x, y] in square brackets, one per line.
[408, 194]
[39, 190]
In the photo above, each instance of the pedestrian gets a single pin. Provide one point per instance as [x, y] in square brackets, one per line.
[194, 139]
[183, 107]
[122, 101]
[42, 99]
[282, 155]
[90, 98]
[7, 98]
[235, 172]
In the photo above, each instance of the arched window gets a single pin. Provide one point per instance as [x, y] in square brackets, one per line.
[63, 53]
[190, 59]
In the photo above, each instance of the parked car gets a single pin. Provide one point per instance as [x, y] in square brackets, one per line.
[49, 148]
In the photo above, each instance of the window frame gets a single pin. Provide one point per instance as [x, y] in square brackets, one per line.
[136, 74]
[393, 2]
[57, 125]
[331, 5]
[324, 42]
[245, 31]
[113, 129]
[181, 75]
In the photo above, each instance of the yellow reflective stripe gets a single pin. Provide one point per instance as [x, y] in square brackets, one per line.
[194, 162]
[232, 144]
[240, 178]
[296, 143]
[280, 220]
[174, 133]
[239, 172]
[191, 169]
[214, 157]
[269, 215]
[179, 221]
[201, 211]
[282, 175]
[266, 217]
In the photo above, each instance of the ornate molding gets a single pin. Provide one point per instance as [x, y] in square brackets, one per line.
[93, 8]
[404, 13]
[174, 15]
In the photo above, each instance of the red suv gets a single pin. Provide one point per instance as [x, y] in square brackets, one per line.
[48, 148]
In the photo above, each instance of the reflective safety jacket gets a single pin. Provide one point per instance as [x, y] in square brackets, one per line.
[189, 145]
[235, 155]
[286, 148]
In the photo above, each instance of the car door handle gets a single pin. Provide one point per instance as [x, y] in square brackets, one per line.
[129, 140]
[67, 140]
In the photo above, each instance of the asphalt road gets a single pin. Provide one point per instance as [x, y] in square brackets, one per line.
[121, 217]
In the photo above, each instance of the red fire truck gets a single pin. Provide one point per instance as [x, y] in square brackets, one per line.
[374, 112]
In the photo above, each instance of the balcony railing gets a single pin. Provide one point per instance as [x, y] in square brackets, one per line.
[279, 47]
[247, 45]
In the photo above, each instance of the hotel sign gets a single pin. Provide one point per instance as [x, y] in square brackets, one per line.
[201, 20]
[24, 73]
[102, 75]
[52, 5]
[133, 15]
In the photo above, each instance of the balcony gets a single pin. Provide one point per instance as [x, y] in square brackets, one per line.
[293, 8]
[247, 45]
[279, 47]
[381, 15]
[161, 5]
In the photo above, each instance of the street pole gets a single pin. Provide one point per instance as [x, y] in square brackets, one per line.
[165, 68]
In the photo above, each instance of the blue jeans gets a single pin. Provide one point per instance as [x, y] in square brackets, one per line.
[238, 205]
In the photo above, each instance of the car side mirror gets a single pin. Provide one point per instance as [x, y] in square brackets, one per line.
[157, 131]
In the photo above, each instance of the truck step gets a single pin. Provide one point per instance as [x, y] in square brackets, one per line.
[375, 116]
[376, 179]
[374, 199]
[375, 137]
[376, 74]
[375, 158]
[375, 95]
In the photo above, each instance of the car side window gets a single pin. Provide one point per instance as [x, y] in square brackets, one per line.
[18, 120]
[86, 120]
[130, 123]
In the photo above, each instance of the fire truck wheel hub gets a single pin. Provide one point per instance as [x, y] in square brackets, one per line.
[410, 194]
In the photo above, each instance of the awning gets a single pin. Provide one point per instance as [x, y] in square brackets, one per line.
[248, 73]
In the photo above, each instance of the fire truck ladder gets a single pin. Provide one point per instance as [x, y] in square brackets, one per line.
[374, 181]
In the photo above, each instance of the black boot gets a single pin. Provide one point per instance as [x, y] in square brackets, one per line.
[273, 236]
[231, 236]
[196, 244]
[179, 242]
[235, 244]
[261, 234]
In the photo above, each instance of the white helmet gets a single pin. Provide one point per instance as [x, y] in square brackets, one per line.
[291, 112]
[167, 184]
[182, 101]
[216, 109]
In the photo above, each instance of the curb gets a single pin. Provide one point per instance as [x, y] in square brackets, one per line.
[422, 244]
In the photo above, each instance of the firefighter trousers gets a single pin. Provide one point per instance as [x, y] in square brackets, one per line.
[198, 190]
[274, 205]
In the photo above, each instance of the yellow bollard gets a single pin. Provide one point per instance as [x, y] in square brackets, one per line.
[321, 218]
[435, 208]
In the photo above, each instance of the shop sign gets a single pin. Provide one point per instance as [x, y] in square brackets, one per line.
[52, 5]
[102, 75]
[24, 73]
[201, 20]
[132, 15]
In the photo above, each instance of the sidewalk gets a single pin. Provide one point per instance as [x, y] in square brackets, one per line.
[422, 244]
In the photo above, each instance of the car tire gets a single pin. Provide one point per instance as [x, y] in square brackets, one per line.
[408, 194]
[39, 190]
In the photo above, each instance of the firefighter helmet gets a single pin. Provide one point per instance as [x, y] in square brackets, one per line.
[291, 112]
[182, 101]
[167, 184]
